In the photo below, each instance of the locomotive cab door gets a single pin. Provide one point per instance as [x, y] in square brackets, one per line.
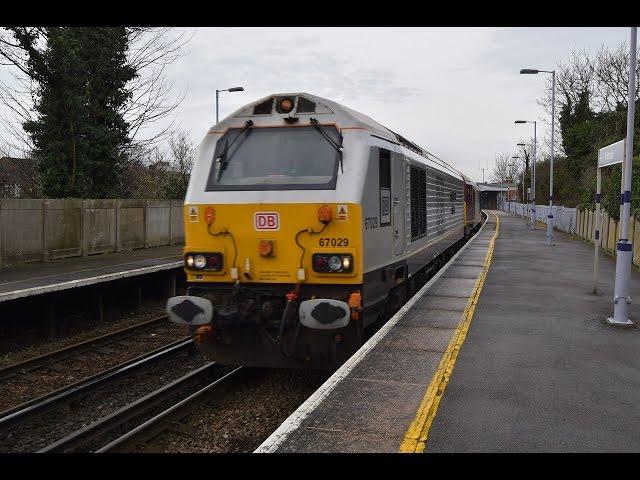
[399, 192]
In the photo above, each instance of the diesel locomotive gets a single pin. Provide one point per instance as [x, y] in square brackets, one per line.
[305, 223]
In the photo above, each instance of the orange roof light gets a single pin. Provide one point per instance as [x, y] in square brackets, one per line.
[286, 105]
[324, 214]
[265, 248]
[209, 215]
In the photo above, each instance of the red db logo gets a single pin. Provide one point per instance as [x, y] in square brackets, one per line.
[266, 221]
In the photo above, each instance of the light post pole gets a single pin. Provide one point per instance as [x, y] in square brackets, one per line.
[553, 124]
[524, 170]
[624, 250]
[533, 171]
[232, 89]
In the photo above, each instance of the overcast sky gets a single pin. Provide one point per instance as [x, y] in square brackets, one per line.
[454, 91]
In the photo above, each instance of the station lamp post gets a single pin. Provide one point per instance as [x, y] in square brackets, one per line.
[624, 248]
[232, 89]
[533, 171]
[532, 207]
[516, 157]
[526, 71]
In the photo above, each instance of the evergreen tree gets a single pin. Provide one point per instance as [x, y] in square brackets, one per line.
[79, 133]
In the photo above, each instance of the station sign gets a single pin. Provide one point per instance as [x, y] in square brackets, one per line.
[611, 154]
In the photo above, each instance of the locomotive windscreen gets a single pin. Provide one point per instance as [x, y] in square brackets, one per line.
[284, 158]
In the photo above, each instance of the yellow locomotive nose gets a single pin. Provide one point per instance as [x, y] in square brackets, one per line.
[276, 243]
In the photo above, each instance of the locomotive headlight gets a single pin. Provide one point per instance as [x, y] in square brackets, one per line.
[286, 105]
[199, 261]
[332, 263]
[189, 261]
[335, 263]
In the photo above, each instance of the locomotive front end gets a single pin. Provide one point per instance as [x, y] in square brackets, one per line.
[273, 262]
[272, 284]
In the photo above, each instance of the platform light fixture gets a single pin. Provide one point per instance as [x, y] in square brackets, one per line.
[232, 89]
[553, 118]
[517, 157]
[533, 169]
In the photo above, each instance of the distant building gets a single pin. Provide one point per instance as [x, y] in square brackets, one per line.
[493, 194]
[160, 165]
[18, 178]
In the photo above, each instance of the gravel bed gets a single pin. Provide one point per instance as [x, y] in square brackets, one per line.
[21, 388]
[87, 407]
[242, 414]
[43, 345]
[191, 388]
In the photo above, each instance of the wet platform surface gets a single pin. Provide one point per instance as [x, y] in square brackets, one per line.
[540, 370]
[36, 278]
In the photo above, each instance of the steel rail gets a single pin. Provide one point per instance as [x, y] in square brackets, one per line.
[46, 359]
[115, 419]
[154, 425]
[33, 406]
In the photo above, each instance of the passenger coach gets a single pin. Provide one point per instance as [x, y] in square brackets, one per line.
[306, 222]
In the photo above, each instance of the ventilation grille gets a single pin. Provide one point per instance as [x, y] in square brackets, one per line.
[418, 179]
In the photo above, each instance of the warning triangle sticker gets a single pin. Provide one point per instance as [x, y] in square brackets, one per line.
[342, 211]
[193, 213]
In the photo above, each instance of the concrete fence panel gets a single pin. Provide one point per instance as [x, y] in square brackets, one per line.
[157, 223]
[62, 228]
[33, 230]
[99, 226]
[21, 231]
[130, 224]
[177, 222]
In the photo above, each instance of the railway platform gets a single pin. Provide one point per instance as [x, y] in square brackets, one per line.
[30, 279]
[505, 350]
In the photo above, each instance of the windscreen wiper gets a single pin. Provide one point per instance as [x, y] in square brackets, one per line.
[223, 159]
[334, 144]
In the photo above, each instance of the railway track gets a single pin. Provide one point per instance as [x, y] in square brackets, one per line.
[84, 438]
[46, 359]
[143, 433]
[24, 411]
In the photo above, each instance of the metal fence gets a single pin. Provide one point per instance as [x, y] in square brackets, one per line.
[581, 223]
[33, 230]
[565, 219]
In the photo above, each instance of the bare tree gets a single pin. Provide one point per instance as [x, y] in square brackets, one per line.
[151, 51]
[506, 169]
[604, 76]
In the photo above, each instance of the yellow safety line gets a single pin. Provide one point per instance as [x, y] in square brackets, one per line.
[415, 438]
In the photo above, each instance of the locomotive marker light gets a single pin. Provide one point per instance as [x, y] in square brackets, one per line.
[232, 89]
[624, 249]
[209, 215]
[533, 171]
[285, 105]
[199, 261]
[553, 123]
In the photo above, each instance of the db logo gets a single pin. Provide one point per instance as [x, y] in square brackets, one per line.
[266, 221]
